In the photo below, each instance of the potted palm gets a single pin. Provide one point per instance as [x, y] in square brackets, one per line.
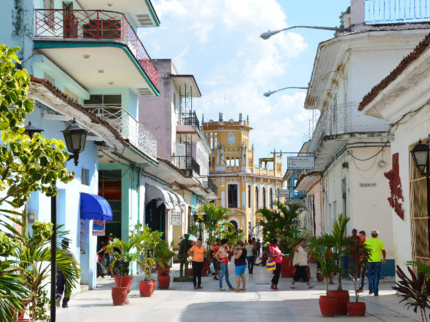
[358, 255]
[282, 224]
[320, 248]
[340, 244]
[163, 256]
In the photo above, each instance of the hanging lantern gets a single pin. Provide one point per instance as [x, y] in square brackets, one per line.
[75, 137]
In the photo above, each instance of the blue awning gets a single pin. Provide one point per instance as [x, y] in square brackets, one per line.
[94, 207]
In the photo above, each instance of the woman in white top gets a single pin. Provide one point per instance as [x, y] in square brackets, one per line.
[250, 256]
[300, 261]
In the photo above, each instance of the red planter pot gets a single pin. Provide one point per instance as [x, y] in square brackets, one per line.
[160, 270]
[154, 282]
[328, 305]
[24, 320]
[163, 282]
[124, 281]
[119, 295]
[312, 260]
[205, 268]
[342, 301]
[287, 269]
[146, 288]
[190, 272]
[320, 278]
[356, 308]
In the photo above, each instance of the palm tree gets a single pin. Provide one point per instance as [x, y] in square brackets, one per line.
[340, 241]
[214, 215]
[280, 223]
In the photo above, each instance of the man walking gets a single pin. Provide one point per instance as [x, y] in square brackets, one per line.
[61, 280]
[376, 247]
[362, 236]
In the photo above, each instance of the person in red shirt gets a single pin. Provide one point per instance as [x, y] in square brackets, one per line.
[354, 235]
[215, 261]
[362, 236]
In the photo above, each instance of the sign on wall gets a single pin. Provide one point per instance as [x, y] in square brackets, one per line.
[301, 163]
[99, 227]
[176, 218]
[282, 193]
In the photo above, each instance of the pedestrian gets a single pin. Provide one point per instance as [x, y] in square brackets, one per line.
[109, 255]
[250, 257]
[276, 254]
[354, 235]
[376, 247]
[61, 280]
[198, 253]
[101, 256]
[300, 261]
[222, 257]
[362, 236]
[258, 247]
[214, 260]
[240, 263]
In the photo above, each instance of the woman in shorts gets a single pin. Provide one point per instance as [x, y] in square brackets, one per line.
[240, 263]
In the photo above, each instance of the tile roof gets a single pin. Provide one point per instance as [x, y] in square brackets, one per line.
[408, 60]
[79, 107]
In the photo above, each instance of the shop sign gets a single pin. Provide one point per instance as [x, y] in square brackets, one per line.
[99, 227]
[282, 193]
[176, 218]
[365, 185]
[301, 163]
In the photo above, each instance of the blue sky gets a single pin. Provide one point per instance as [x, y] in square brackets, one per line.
[218, 41]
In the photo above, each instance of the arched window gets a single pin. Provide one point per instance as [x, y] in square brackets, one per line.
[256, 197]
[264, 198]
[271, 198]
[249, 196]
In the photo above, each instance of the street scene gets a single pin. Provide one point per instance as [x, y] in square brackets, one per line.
[219, 160]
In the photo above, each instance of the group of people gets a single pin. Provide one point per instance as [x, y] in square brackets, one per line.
[372, 266]
[245, 255]
[103, 257]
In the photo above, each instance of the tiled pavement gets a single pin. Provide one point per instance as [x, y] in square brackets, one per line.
[182, 303]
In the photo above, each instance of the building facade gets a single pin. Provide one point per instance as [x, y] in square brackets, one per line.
[243, 187]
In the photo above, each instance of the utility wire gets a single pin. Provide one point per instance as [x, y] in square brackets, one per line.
[382, 149]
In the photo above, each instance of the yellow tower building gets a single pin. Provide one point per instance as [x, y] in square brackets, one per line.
[243, 187]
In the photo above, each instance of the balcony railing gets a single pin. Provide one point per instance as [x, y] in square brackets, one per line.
[186, 163]
[87, 25]
[208, 183]
[189, 119]
[396, 11]
[128, 127]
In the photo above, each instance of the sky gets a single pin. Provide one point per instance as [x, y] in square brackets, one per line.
[218, 41]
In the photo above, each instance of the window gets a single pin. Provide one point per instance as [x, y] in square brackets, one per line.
[49, 15]
[271, 198]
[71, 94]
[85, 177]
[256, 197]
[249, 196]
[264, 198]
[232, 195]
[104, 100]
[49, 78]
[174, 102]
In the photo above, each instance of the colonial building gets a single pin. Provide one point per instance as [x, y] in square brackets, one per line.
[243, 187]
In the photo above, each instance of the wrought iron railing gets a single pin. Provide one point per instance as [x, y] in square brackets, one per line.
[128, 127]
[396, 11]
[208, 183]
[186, 163]
[189, 119]
[87, 25]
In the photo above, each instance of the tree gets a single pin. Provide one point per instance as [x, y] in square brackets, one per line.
[281, 223]
[214, 215]
[340, 241]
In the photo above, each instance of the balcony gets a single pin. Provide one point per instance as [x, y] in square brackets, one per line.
[396, 11]
[186, 163]
[128, 127]
[83, 32]
[209, 184]
[188, 127]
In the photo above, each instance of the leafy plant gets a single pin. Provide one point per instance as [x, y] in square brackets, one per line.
[146, 249]
[282, 224]
[414, 291]
[214, 215]
[359, 255]
[163, 255]
[340, 242]
[320, 248]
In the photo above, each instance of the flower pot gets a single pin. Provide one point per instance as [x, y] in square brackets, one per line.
[119, 295]
[163, 282]
[21, 315]
[146, 288]
[312, 260]
[287, 267]
[356, 308]
[154, 282]
[205, 268]
[328, 305]
[190, 272]
[24, 320]
[160, 270]
[342, 301]
[320, 278]
[125, 281]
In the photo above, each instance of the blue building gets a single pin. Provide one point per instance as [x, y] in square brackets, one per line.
[87, 63]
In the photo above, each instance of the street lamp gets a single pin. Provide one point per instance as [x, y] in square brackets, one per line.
[75, 137]
[267, 94]
[420, 155]
[267, 35]
[30, 130]
[200, 218]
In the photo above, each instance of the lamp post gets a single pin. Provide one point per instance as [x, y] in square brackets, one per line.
[75, 137]
[267, 35]
[267, 94]
[30, 130]
[420, 155]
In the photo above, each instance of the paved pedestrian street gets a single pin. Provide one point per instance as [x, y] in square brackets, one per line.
[182, 303]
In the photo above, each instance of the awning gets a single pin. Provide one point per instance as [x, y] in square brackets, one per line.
[94, 207]
[170, 199]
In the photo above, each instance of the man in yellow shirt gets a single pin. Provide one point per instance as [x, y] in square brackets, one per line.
[376, 247]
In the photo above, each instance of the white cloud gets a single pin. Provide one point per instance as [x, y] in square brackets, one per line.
[218, 41]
